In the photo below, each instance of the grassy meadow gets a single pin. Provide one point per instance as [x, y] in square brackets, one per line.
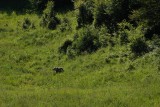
[109, 77]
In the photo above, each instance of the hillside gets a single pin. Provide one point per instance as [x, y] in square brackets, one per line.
[109, 51]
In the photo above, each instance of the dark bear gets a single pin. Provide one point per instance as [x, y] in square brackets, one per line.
[58, 69]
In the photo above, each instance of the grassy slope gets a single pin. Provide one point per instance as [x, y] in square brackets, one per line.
[26, 77]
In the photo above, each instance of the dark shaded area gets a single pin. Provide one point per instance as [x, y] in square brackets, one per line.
[63, 5]
[153, 30]
[15, 5]
[59, 5]
[139, 47]
[20, 6]
[134, 5]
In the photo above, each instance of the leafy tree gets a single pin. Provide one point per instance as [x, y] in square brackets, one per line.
[111, 13]
[149, 12]
[40, 5]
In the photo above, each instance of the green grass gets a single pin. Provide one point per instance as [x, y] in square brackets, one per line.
[27, 80]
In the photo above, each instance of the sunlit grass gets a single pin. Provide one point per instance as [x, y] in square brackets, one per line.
[27, 58]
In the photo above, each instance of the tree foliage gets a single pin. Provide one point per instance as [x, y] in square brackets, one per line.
[15, 4]
[49, 19]
[149, 12]
[111, 13]
[85, 15]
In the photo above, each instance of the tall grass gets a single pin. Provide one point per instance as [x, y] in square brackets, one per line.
[27, 58]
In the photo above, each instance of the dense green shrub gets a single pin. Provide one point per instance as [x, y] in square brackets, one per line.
[65, 25]
[139, 47]
[87, 41]
[49, 19]
[104, 36]
[85, 15]
[64, 47]
[27, 24]
[71, 53]
[124, 29]
[123, 36]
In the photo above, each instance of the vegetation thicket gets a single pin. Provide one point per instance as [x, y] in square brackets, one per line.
[49, 19]
[108, 50]
[85, 15]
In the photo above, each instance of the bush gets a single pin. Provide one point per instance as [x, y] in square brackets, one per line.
[85, 15]
[27, 24]
[65, 25]
[49, 19]
[104, 36]
[123, 38]
[139, 47]
[64, 47]
[87, 41]
[71, 53]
